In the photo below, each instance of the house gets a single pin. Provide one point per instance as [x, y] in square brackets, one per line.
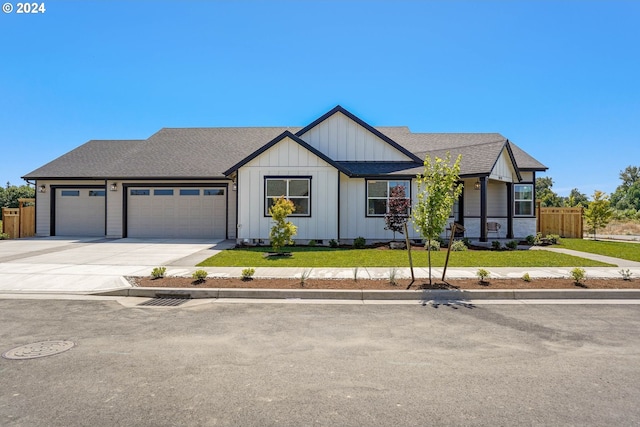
[218, 182]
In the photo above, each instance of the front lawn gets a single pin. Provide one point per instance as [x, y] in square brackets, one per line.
[329, 257]
[624, 250]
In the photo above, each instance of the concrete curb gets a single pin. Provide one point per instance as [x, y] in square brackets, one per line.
[372, 295]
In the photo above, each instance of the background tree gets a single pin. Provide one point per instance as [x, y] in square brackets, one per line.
[576, 198]
[627, 195]
[398, 211]
[547, 197]
[283, 230]
[629, 176]
[438, 189]
[9, 196]
[599, 212]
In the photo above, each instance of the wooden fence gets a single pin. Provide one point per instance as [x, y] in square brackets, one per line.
[565, 222]
[20, 221]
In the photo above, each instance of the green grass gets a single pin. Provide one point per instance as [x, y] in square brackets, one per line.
[329, 257]
[624, 250]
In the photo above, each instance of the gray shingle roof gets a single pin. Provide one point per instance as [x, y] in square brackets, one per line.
[208, 152]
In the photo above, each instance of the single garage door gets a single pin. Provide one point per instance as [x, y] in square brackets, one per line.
[80, 212]
[187, 212]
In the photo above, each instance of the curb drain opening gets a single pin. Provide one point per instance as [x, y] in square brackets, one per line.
[165, 301]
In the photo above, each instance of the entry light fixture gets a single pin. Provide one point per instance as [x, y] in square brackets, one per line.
[114, 186]
[42, 189]
[476, 185]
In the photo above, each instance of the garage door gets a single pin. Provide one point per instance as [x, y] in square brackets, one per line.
[175, 212]
[80, 212]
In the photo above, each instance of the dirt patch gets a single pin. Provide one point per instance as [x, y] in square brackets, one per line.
[184, 282]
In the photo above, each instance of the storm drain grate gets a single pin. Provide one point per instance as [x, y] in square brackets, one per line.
[38, 349]
[173, 301]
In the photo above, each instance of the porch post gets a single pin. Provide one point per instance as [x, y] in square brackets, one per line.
[509, 210]
[483, 209]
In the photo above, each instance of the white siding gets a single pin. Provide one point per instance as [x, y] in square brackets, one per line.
[288, 158]
[503, 169]
[353, 220]
[342, 139]
[496, 199]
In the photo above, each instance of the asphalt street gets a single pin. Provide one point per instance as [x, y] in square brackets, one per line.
[224, 364]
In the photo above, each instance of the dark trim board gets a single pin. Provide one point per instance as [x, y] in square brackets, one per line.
[125, 198]
[52, 203]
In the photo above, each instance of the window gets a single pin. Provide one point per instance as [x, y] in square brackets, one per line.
[139, 192]
[163, 192]
[523, 199]
[378, 194]
[189, 192]
[70, 193]
[96, 193]
[295, 189]
[213, 192]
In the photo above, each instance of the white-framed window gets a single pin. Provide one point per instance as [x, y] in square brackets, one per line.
[523, 199]
[379, 193]
[295, 189]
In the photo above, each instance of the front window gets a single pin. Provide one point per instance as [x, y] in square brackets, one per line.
[297, 190]
[379, 193]
[523, 199]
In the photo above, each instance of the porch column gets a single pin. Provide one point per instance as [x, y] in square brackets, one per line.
[509, 210]
[483, 209]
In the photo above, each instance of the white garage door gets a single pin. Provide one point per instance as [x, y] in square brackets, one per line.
[80, 212]
[187, 212]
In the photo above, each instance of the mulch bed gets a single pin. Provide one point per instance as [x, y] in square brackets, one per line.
[184, 282]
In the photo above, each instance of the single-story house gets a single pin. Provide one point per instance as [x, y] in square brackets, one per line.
[218, 182]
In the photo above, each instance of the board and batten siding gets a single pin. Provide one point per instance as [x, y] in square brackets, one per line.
[353, 208]
[496, 199]
[344, 140]
[503, 169]
[288, 159]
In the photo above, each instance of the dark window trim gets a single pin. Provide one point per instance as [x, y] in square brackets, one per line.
[366, 194]
[127, 185]
[52, 202]
[264, 198]
[533, 199]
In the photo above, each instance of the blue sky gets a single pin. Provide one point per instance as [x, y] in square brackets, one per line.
[560, 79]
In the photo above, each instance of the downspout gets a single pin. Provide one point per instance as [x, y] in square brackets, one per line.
[509, 210]
[338, 204]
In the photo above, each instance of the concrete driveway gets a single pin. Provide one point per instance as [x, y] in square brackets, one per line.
[86, 265]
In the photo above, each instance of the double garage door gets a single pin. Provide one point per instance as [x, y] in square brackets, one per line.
[156, 212]
[181, 212]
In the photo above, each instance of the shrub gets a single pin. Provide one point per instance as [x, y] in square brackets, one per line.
[512, 245]
[496, 245]
[4, 236]
[578, 274]
[304, 276]
[359, 243]
[393, 273]
[458, 246]
[247, 273]
[333, 243]
[482, 274]
[626, 274]
[526, 277]
[553, 238]
[283, 231]
[199, 275]
[312, 243]
[435, 245]
[158, 272]
[467, 241]
[531, 239]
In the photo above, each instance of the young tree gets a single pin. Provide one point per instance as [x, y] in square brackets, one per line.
[283, 230]
[438, 189]
[599, 212]
[398, 211]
